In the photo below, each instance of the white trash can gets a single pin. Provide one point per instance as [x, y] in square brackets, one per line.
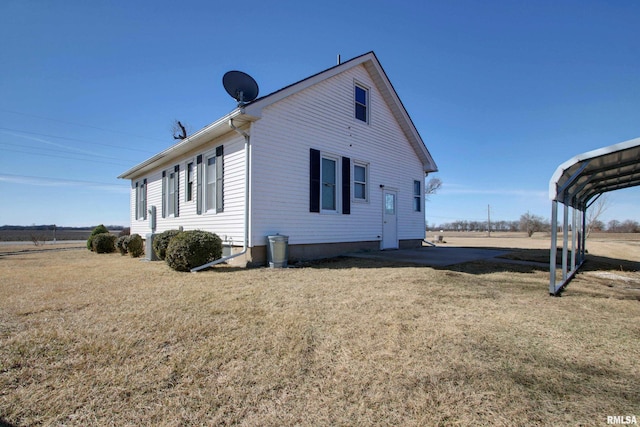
[278, 251]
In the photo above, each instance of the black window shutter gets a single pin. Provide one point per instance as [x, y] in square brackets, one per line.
[199, 184]
[346, 185]
[314, 180]
[164, 194]
[144, 199]
[176, 191]
[220, 179]
[137, 200]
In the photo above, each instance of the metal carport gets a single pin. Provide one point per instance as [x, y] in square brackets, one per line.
[577, 184]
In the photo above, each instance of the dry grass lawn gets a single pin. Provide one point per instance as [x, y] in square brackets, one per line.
[90, 339]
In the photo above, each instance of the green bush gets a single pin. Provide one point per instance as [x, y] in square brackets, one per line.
[104, 243]
[135, 246]
[193, 248]
[101, 229]
[121, 244]
[161, 241]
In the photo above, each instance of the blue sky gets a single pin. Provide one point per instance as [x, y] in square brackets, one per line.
[502, 92]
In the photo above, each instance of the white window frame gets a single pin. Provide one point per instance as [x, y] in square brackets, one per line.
[338, 184]
[141, 200]
[367, 104]
[418, 197]
[170, 195]
[357, 163]
[207, 181]
[194, 184]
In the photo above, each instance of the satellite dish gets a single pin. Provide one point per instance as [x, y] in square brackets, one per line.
[240, 86]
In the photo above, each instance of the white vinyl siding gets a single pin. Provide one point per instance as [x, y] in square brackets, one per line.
[321, 118]
[230, 222]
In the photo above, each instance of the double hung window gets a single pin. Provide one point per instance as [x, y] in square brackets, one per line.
[189, 182]
[210, 182]
[141, 199]
[170, 192]
[329, 184]
[210, 191]
[417, 196]
[361, 95]
[360, 177]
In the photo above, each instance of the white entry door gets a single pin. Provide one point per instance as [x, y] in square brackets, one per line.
[389, 219]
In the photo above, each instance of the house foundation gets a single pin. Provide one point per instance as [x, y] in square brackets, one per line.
[257, 255]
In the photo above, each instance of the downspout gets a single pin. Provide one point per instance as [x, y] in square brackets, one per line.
[246, 204]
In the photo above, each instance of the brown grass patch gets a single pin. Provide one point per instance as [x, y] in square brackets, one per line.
[90, 339]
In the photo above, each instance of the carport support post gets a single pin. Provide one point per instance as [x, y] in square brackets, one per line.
[565, 242]
[574, 237]
[583, 249]
[554, 247]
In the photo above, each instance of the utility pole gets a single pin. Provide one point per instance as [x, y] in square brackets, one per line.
[489, 219]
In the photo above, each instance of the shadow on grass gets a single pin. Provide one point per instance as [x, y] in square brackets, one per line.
[3, 423]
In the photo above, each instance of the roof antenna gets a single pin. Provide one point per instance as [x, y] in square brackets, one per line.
[338, 59]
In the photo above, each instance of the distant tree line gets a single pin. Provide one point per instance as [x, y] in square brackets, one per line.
[41, 234]
[51, 227]
[532, 223]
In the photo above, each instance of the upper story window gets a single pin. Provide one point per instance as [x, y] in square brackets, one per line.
[361, 98]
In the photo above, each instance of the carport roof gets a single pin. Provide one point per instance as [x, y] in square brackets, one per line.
[587, 175]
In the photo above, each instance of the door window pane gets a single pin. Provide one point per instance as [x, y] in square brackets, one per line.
[390, 204]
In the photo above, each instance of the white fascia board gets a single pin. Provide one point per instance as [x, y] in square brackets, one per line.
[401, 115]
[204, 135]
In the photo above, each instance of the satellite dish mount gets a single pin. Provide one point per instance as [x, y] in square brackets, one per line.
[241, 86]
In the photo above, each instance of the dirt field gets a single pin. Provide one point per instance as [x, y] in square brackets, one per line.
[89, 339]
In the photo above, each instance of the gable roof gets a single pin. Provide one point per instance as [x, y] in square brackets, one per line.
[253, 110]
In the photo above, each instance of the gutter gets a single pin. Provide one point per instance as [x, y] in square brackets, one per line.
[211, 131]
[246, 203]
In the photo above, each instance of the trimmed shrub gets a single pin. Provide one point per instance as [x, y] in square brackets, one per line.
[161, 241]
[193, 248]
[101, 229]
[135, 246]
[104, 243]
[121, 244]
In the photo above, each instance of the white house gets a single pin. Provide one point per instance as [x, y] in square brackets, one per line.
[332, 161]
